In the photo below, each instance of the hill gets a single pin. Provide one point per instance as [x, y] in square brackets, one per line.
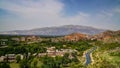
[108, 36]
[57, 31]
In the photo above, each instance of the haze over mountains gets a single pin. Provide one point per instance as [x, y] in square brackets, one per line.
[57, 31]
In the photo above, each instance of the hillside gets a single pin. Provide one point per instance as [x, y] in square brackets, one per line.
[108, 36]
[76, 37]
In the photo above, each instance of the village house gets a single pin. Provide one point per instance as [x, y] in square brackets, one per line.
[60, 53]
[33, 39]
[52, 52]
[70, 56]
[28, 39]
[23, 39]
[42, 54]
[15, 39]
[2, 58]
[50, 49]
[10, 57]
[3, 41]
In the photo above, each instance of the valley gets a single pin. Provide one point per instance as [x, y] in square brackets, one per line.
[75, 50]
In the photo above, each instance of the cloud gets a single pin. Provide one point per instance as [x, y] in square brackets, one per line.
[117, 10]
[50, 12]
[29, 8]
[41, 13]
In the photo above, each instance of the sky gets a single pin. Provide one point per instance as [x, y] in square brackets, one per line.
[30, 14]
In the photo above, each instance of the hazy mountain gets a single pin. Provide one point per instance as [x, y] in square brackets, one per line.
[57, 31]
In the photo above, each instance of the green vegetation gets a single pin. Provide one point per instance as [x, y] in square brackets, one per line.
[107, 55]
[21, 49]
[14, 65]
[4, 65]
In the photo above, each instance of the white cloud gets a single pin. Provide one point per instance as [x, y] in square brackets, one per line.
[43, 11]
[40, 13]
[117, 10]
[33, 9]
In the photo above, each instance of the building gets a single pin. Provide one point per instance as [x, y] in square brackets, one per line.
[52, 52]
[23, 39]
[3, 41]
[2, 58]
[42, 54]
[15, 39]
[10, 57]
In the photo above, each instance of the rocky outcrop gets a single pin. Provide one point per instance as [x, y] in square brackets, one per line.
[76, 37]
[108, 36]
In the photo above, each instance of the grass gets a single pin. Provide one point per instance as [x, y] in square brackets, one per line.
[14, 65]
[116, 58]
[111, 59]
[39, 63]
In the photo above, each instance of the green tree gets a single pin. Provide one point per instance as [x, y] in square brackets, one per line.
[18, 58]
[65, 59]
[24, 64]
[34, 64]
[4, 65]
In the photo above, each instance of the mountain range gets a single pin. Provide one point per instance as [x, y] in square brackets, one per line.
[57, 31]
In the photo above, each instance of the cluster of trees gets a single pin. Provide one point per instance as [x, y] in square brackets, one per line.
[107, 46]
[115, 54]
[58, 62]
[4, 65]
[22, 49]
[48, 62]
[18, 48]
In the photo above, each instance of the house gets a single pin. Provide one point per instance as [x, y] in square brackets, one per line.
[3, 41]
[2, 58]
[42, 54]
[29, 39]
[52, 52]
[23, 39]
[70, 56]
[60, 53]
[51, 49]
[32, 38]
[10, 57]
[15, 39]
